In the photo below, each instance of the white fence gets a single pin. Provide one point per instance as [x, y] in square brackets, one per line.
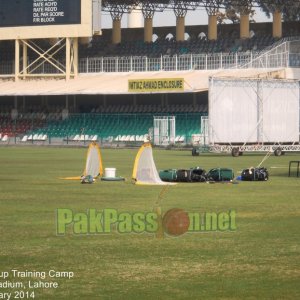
[282, 55]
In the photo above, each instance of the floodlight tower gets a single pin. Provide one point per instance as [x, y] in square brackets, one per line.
[212, 7]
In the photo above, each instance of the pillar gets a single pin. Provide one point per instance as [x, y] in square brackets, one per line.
[116, 31]
[68, 58]
[180, 29]
[212, 27]
[148, 30]
[244, 27]
[277, 24]
[76, 57]
[25, 62]
[17, 59]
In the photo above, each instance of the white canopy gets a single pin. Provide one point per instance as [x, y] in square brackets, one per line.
[112, 83]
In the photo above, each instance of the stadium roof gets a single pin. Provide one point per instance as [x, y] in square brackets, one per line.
[108, 83]
[116, 83]
[159, 5]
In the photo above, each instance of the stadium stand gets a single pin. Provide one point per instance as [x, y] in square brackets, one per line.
[128, 122]
[228, 41]
[110, 122]
[227, 44]
[115, 126]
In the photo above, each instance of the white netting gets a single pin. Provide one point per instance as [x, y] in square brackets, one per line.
[253, 110]
[281, 112]
[93, 162]
[146, 172]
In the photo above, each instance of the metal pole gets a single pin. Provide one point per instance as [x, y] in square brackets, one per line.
[146, 64]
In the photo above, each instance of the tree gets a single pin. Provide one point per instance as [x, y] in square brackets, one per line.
[290, 8]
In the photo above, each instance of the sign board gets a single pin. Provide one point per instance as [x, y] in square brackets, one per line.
[28, 19]
[156, 85]
[39, 12]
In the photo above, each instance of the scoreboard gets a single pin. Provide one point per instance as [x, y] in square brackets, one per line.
[39, 12]
[35, 19]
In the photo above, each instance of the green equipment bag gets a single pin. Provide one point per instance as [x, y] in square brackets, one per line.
[220, 174]
[168, 175]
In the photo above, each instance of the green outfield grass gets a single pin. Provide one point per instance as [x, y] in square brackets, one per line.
[260, 260]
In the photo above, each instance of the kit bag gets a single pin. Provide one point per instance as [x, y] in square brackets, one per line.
[168, 175]
[255, 174]
[220, 174]
[198, 175]
[184, 175]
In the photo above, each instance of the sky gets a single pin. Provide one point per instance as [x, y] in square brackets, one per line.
[167, 18]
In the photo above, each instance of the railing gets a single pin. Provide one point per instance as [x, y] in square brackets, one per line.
[281, 55]
[164, 63]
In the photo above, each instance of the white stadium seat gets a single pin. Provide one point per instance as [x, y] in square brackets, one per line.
[24, 139]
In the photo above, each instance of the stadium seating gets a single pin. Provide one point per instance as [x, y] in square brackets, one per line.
[114, 127]
[101, 46]
[227, 44]
[25, 121]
